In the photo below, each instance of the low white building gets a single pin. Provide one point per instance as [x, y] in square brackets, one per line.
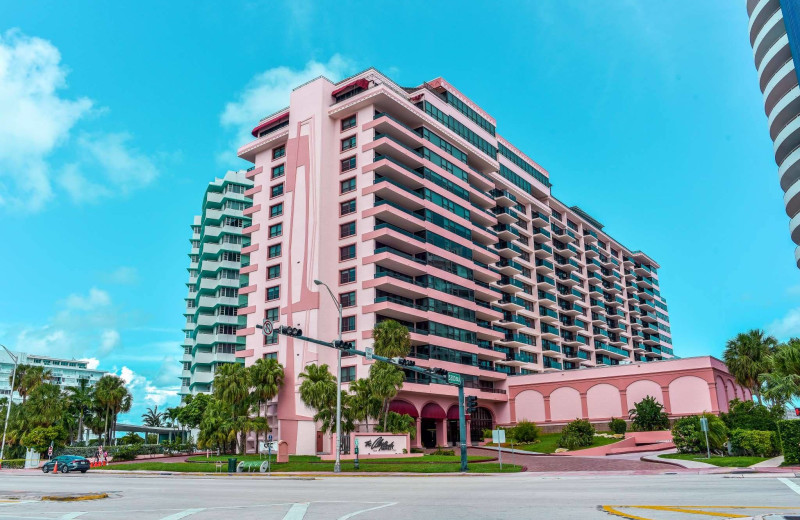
[65, 372]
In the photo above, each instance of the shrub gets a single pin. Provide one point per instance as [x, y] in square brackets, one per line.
[689, 437]
[524, 432]
[648, 415]
[749, 415]
[487, 434]
[790, 440]
[577, 434]
[442, 451]
[41, 438]
[401, 423]
[753, 442]
[128, 452]
[131, 438]
[618, 426]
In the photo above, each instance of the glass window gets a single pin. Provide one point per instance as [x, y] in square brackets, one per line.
[348, 164]
[275, 230]
[348, 374]
[347, 207]
[347, 230]
[348, 143]
[276, 210]
[348, 323]
[273, 293]
[273, 271]
[276, 191]
[278, 152]
[347, 185]
[274, 251]
[347, 299]
[348, 122]
[278, 171]
[347, 252]
[271, 355]
[347, 275]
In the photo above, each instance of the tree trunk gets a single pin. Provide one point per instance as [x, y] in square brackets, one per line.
[105, 427]
[80, 427]
[385, 414]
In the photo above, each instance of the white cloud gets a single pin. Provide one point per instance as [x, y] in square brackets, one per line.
[35, 118]
[96, 298]
[109, 339]
[144, 392]
[123, 276]
[786, 327]
[170, 370]
[91, 363]
[269, 91]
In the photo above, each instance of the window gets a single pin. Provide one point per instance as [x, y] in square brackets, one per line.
[232, 239]
[274, 251]
[234, 222]
[348, 374]
[273, 271]
[228, 329]
[347, 275]
[276, 210]
[272, 315]
[278, 171]
[227, 310]
[348, 164]
[275, 230]
[348, 123]
[556, 214]
[347, 230]
[348, 143]
[228, 274]
[271, 355]
[231, 256]
[228, 292]
[276, 191]
[347, 207]
[348, 323]
[273, 293]
[347, 299]
[278, 152]
[347, 252]
[347, 185]
[234, 188]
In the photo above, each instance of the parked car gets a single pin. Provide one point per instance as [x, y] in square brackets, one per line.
[67, 463]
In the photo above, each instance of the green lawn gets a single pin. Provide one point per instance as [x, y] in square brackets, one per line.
[725, 462]
[316, 459]
[548, 443]
[366, 466]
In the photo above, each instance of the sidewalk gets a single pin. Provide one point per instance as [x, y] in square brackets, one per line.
[774, 462]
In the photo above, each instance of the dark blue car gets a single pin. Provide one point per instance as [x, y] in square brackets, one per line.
[67, 463]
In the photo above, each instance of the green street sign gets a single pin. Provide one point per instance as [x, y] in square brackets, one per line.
[454, 378]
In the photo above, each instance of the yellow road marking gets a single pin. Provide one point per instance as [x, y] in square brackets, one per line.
[611, 510]
[689, 511]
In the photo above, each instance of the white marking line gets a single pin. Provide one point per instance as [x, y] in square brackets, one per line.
[70, 516]
[296, 512]
[183, 514]
[351, 515]
[794, 487]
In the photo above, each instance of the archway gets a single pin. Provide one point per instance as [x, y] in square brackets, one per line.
[432, 417]
[480, 420]
[603, 402]
[529, 406]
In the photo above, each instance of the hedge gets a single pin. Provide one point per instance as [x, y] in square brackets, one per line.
[754, 443]
[577, 434]
[790, 440]
[127, 450]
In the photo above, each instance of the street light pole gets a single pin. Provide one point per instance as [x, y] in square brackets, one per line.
[337, 466]
[10, 399]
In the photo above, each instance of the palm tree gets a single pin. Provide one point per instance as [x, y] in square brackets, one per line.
[392, 339]
[80, 399]
[748, 356]
[364, 402]
[152, 417]
[782, 383]
[113, 398]
[232, 387]
[318, 387]
[266, 378]
[29, 377]
[386, 382]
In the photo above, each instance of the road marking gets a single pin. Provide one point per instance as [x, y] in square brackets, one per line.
[678, 509]
[612, 511]
[351, 515]
[296, 512]
[70, 516]
[183, 514]
[794, 487]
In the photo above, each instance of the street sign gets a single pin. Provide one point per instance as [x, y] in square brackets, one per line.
[266, 328]
[499, 436]
[368, 351]
[453, 378]
[703, 424]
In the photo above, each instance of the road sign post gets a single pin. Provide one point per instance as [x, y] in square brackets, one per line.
[462, 424]
[499, 436]
[704, 428]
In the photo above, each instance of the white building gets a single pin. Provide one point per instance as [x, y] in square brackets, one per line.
[64, 372]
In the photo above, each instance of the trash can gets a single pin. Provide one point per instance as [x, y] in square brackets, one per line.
[232, 465]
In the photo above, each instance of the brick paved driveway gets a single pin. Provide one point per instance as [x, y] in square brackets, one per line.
[557, 463]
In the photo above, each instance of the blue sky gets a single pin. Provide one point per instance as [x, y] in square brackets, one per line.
[113, 120]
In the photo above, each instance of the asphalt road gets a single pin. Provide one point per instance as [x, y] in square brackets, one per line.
[517, 496]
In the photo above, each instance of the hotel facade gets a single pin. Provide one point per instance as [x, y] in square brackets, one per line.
[774, 30]
[411, 206]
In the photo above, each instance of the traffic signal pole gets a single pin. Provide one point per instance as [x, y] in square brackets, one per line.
[344, 348]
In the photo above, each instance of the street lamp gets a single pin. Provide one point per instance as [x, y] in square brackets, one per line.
[337, 466]
[10, 398]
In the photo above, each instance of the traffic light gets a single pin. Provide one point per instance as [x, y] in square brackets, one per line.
[289, 331]
[404, 362]
[342, 345]
[471, 404]
[440, 372]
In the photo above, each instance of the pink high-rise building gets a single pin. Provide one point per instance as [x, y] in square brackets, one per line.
[411, 207]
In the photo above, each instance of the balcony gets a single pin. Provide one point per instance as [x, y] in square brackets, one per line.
[542, 250]
[611, 350]
[549, 331]
[511, 303]
[543, 266]
[551, 363]
[539, 219]
[503, 197]
[504, 215]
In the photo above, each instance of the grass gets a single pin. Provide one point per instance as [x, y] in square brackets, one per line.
[548, 443]
[366, 466]
[316, 459]
[716, 460]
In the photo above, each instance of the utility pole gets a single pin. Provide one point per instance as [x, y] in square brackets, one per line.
[10, 399]
[337, 466]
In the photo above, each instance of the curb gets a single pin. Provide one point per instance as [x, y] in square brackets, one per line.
[668, 462]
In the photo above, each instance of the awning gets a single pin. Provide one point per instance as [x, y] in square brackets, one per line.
[433, 411]
[267, 124]
[357, 83]
[452, 413]
[403, 408]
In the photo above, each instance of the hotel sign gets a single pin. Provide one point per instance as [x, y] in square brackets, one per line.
[382, 444]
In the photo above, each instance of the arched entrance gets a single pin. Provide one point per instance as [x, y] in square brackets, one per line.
[453, 430]
[481, 420]
[433, 417]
